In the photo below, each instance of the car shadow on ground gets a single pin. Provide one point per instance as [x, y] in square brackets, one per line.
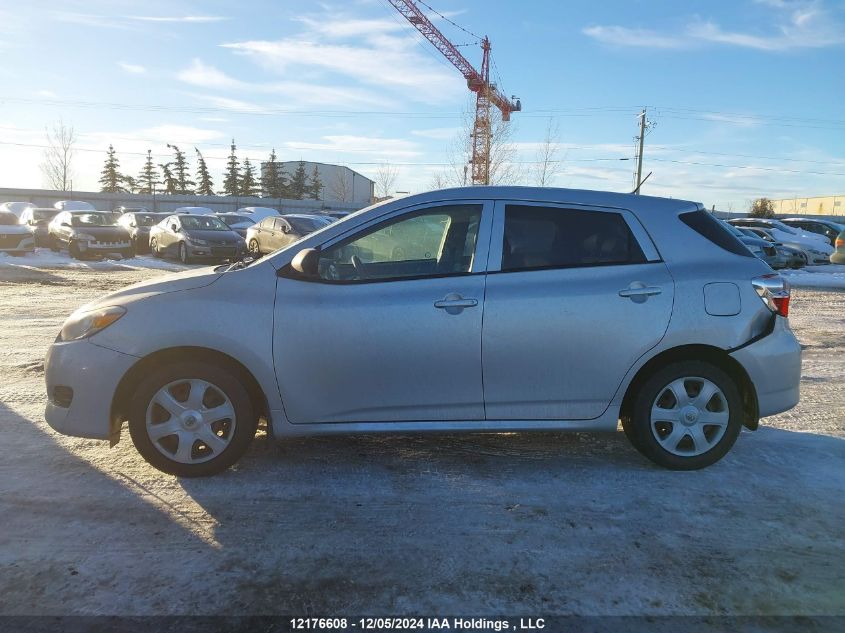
[563, 523]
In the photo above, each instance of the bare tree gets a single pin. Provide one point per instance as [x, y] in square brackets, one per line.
[386, 175]
[504, 170]
[438, 181]
[57, 166]
[341, 187]
[547, 165]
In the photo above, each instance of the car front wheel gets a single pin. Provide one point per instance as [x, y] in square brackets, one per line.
[192, 419]
[686, 416]
[154, 248]
[254, 248]
[183, 253]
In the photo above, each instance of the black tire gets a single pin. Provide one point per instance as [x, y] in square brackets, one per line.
[73, 250]
[223, 379]
[154, 249]
[129, 253]
[53, 243]
[183, 254]
[640, 423]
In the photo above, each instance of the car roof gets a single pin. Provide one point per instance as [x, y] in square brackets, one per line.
[307, 216]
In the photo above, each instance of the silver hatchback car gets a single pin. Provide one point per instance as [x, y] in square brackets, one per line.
[475, 309]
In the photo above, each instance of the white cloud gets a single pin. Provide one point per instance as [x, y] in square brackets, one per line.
[204, 76]
[438, 133]
[624, 36]
[132, 69]
[197, 19]
[733, 119]
[383, 148]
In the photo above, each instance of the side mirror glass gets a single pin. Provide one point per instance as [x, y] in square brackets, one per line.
[174, 228]
[305, 262]
[67, 224]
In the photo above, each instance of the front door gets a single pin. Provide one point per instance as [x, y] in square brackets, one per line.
[389, 330]
[574, 298]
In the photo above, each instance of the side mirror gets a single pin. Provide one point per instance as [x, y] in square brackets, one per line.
[133, 225]
[67, 224]
[174, 228]
[285, 229]
[305, 262]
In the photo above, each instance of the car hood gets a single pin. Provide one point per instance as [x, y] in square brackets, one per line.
[215, 237]
[13, 229]
[176, 282]
[113, 233]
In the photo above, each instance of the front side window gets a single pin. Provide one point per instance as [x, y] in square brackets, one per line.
[203, 223]
[551, 237]
[434, 242]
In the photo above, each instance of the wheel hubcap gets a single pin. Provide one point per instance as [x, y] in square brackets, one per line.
[190, 421]
[689, 416]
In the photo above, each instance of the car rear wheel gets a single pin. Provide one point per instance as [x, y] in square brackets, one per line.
[192, 419]
[686, 416]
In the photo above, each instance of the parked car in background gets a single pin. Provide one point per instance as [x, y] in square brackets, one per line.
[73, 205]
[815, 247]
[273, 233]
[238, 223]
[337, 215]
[15, 238]
[138, 224]
[257, 213]
[16, 207]
[827, 228]
[597, 307]
[122, 209]
[792, 257]
[759, 247]
[88, 234]
[194, 210]
[838, 256]
[190, 237]
[37, 220]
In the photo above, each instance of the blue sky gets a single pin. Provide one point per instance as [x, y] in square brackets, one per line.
[746, 96]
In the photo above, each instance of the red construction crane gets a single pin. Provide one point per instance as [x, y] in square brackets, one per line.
[487, 94]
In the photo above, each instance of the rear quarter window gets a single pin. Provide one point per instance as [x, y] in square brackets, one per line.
[709, 227]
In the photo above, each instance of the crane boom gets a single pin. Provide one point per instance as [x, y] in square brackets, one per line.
[487, 95]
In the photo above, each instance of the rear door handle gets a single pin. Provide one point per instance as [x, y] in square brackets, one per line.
[454, 303]
[639, 292]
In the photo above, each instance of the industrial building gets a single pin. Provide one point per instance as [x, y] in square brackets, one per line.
[340, 184]
[817, 205]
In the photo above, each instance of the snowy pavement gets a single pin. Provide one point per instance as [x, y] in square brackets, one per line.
[533, 524]
[827, 276]
[44, 258]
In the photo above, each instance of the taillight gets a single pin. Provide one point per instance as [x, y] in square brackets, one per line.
[773, 290]
[840, 242]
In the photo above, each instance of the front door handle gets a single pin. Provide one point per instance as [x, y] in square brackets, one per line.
[454, 303]
[638, 292]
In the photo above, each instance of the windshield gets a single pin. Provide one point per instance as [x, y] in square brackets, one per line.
[146, 219]
[44, 214]
[202, 223]
[92, 219]
[236, 219]
[8, 218]
[303, 226]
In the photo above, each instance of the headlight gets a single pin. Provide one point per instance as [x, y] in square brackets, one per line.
[84, 324]
[85, 237]
[196, 241]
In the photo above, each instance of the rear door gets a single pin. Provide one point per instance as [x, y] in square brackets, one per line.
[574, 297]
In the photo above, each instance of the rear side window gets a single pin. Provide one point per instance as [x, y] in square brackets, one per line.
[707, 226]
[551, 237]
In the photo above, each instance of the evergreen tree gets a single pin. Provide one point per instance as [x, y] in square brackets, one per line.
[171, 185]
[148, 178]
[248, 185]
[180, 171]
[205, 187]
[315, 185]
[272, 180]
[131, 185]
[110, 177]
[232, 176]
[298, 185]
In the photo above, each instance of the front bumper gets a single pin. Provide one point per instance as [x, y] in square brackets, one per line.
[838, 257]
[93, 374]
[213, 251]
[16, 243]
[103, 247]
[774, 365]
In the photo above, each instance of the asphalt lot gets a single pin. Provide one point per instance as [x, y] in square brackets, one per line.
[392, 525]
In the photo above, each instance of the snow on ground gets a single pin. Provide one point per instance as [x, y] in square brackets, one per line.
[530, 524]
[827, 276]
[44, 258]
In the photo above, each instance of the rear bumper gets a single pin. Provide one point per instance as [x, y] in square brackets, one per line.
[774, 365]
[837, 258]
[93, 374]
[26, 243]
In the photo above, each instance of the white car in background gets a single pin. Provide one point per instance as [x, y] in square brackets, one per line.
[815, 247]
[73, 205]
[194, 210]
[257, 213]
[16, 207]
[15, 238]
